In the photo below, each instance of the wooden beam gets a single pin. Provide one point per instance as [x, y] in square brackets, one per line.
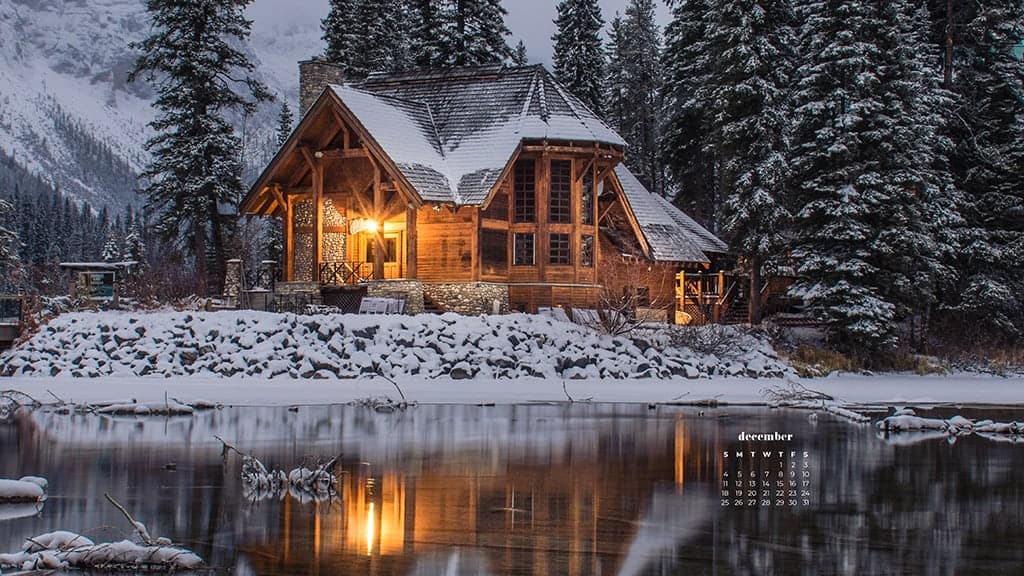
[393, 207]
[586, 166]
[307, 155]
[341, 122]
[338, 153]
[278, 193]
[289, 241]
[318, 219]
[604, 173]
[571, 150]
[378, 208]
[411, 237]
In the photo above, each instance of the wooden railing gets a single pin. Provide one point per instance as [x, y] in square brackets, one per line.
[341, 273]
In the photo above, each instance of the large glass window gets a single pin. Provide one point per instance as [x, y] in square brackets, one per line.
[525, 191]
[560, 249]
[560, 209]
[523, 249]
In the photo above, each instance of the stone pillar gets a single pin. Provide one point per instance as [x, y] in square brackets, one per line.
[268, 274]
[233, 280]
[314, 76]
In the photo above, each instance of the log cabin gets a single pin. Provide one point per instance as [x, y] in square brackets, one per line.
[472, 190]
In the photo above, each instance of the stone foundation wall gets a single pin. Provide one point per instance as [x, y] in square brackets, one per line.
[409, 290]
[291, 288]
[470, 298]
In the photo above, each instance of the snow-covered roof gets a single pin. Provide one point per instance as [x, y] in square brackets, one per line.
[671, 234]
[452, 132]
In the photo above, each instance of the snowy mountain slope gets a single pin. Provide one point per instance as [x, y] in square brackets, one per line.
[67, 111]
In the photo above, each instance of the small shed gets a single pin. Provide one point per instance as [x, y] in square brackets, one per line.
[98, 281]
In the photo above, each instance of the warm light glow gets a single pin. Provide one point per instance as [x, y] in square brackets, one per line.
[369, 530]
[372, 226]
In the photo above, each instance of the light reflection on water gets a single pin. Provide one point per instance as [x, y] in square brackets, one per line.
[566, 489]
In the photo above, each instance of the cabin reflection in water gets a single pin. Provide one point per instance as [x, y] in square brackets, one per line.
[577, 515]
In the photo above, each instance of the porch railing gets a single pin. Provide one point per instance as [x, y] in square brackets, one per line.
[341, 273]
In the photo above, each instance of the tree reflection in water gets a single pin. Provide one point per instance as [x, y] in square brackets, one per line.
[568, 489]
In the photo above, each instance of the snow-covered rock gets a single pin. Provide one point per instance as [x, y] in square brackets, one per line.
[240, 344]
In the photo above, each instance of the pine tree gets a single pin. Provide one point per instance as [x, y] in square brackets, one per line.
[111, 250]
[473, 33]
[866, 253]
[11, 270]
[684, 145]
[578, 52]
[367, 36]
[427, 42]
[192, 58]
[989, 169]
[341, 29]
[635, 82]
[519, 56]
[284, 124]
[135, 248]
[745, 96]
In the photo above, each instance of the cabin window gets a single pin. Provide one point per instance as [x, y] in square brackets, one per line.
[390, 249]
[524, 252]
[560, 210]
[587, 200]
[587, 250]
[525, 190]
[559, 251]
[494, 245]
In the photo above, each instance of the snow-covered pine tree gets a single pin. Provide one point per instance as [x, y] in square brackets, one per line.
[635, 82]
[135, 247]
[919, 224]
[839, 139]
[11, 270]
[473, 33]
[366, 36]
[341, 29]
[519, 56]
[745, 96]
[426, 38]
[193, 60]
[578, 51]
[989, 169]
[285, 119]
[684, 143]
[111, 250]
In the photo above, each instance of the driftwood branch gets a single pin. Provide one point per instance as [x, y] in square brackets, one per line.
[139, 527]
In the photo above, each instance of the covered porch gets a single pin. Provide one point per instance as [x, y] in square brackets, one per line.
[346, 214]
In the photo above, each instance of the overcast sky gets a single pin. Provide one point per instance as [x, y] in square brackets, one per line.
[529, 20]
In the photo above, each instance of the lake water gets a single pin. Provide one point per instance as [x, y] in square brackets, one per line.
[534, 489]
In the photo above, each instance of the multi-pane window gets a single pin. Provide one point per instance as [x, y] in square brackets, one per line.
[587, 250]
[525, 191]
[560, 209]
[523, 252]
[559, 249]
[587, 200]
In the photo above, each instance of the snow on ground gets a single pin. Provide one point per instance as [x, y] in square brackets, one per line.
[245, 344]
[847, 389]
[262, 359]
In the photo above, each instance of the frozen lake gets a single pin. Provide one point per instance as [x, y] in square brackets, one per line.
[581, 489]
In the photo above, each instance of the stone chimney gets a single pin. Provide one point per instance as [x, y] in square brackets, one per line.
[314, 76]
